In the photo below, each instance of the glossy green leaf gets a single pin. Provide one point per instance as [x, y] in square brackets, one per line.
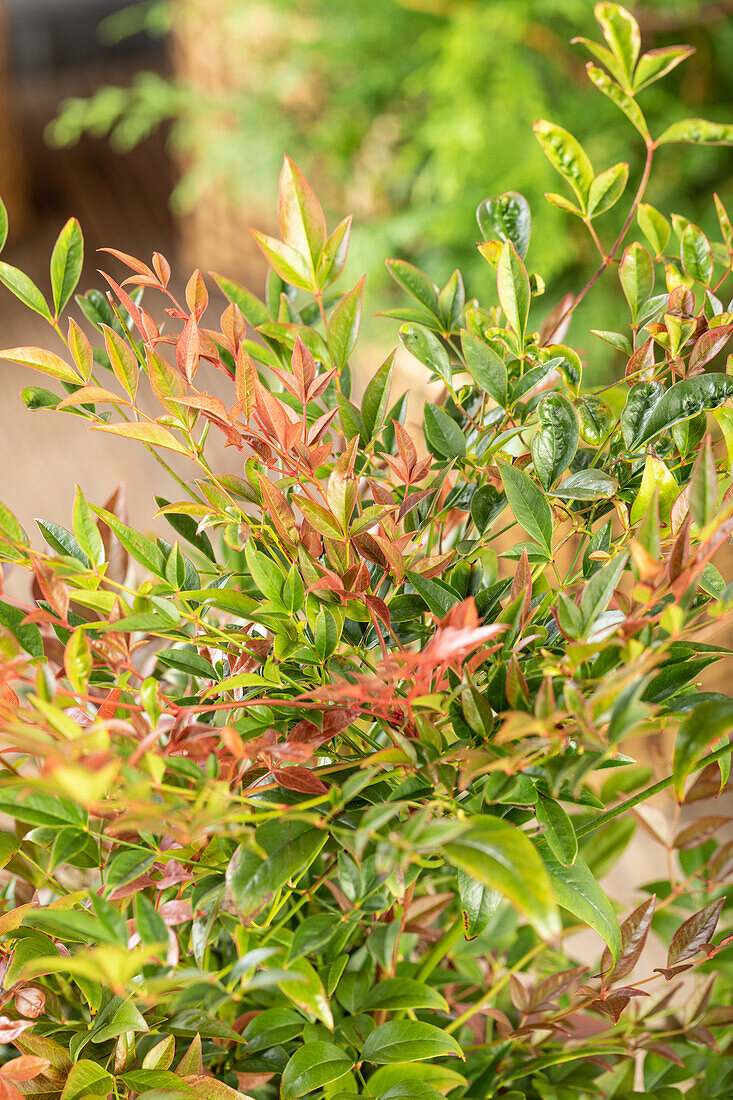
[567, 156]
[696, 254]
[478, 904]
[375, 401]
[643, 398]
[506, 218]
[344, 323]
[556, 440]
[702, 726]
[499, 856]
[578, 891]
[442, 435]
[67, 260]
[19, 284]
[559, 833]
[288, 848]
[486, 368]
[618, 97]
[311, 1067]
[408, 1040]
[427, 349]
[654, 226]
[599, 589]
[636, 273]
[415, 283]
[528, 503]
[588, 484]
[683, 400]
[396, 993]
[512, 284]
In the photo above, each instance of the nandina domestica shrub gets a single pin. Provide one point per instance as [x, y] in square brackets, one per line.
[311, 800]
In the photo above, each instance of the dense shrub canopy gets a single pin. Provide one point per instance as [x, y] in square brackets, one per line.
[313, 798]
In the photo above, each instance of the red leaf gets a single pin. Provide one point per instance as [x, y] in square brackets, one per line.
[197, 296]
[188, 347]
[696, 931]
[634, 931]
[297, 778]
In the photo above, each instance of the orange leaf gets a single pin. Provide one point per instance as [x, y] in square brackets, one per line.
[24, 1068]
[44, 361]
[90, 395]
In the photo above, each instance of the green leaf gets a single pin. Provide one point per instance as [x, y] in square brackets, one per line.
[408, 1040]
[439, 598]
[588, 484]
[67, 260]
[478, 904]
[656, 478]
[289, 847]
[698, 131]
[654, 226]
[528, 503]
[343, 325]
[61, 540]
[636, 273]
[555, 442]
[26, 634]
[265, 573]
[412, 1090]
[46, 362]
[696, 254]
[682, 401]
[486, 504]
[395, 993]
[188, 660]
[643, 398]
[272, 1028]
[122, 360]
[313, 934]
[567, 156]
[506, 218]
[252, 308]
[703, 488]
[400, 1074]
[302, 224]
[289, 264]
[427, 349]
[499, 856]
[512, 284]
[702, 726]
[187, 528]
[618, 97]
[486, 368]
[607, 188]
[24, 289]
[595, 419]
[442, 435]
[3, 225]
[621, 31]
[415, 283]
[311, 1067]
[559, 833]
[375, 401]
[599, 589]
[577, 891]
[87, 1079]
[142, 549]
[657, 63]
[86, 530]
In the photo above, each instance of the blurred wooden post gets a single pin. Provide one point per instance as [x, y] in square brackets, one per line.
[12, 183]
[211, 54]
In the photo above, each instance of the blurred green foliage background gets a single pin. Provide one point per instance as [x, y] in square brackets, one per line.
[409, 112]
